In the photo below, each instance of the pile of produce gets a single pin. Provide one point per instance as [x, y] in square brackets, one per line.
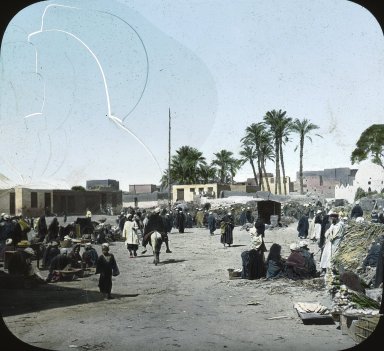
[353, 256]
[354, 247]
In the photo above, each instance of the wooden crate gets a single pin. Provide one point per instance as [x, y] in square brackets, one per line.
[364, 327]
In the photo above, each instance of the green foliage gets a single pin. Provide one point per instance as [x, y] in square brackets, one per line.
[370, 144]
[78, 188]
[360, 193]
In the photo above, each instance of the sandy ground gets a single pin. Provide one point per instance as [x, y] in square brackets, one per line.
[187, 302]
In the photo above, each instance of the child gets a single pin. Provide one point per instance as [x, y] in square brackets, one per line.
[107, 267]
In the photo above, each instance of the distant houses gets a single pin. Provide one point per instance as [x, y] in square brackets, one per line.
[104, 196]
[323, 183]
[36, 202]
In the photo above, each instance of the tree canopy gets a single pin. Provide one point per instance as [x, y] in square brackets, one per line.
[370, 144]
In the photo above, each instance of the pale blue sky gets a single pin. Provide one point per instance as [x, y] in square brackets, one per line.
[106, 69]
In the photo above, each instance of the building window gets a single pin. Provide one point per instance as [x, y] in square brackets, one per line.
[33, 200]
[192, 190]
[369, 183]
[271, 180]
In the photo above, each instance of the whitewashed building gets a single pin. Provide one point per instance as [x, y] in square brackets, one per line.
[369, 177]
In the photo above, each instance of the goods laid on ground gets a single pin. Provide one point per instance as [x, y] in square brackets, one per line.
[313, 313]
[352, 276]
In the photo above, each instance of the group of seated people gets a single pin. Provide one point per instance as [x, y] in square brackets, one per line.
[300, 264]
[55, 259]
[65, 259]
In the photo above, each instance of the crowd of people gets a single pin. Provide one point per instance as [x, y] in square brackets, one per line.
[61, 253]
[326, 228]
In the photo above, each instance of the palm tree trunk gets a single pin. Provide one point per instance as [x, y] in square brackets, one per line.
[254, 171]
[261, 182]
[277, 163]
[266, 178]
[301, 164]
[283, 168]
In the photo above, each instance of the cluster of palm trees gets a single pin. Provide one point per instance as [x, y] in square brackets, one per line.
[189, 166]
[263, 141]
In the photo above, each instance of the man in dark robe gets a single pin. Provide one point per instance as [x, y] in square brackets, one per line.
[227, 225]
[357, 211]
[302, 227]
[211, 223]
[260, 227]
[106, 266]
[180, 220]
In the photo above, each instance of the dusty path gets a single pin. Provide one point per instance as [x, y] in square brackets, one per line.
[186, 302]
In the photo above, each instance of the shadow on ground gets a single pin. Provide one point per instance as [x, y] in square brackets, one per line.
[171, 260]
[47, 296]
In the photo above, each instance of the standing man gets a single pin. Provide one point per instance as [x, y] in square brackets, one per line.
[211, 223]
[260, 227]
[180, 220]
[227, 226]
[303, 226]
[357, 211]
[333, 236]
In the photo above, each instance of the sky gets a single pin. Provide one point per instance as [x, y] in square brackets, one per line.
[87, 86]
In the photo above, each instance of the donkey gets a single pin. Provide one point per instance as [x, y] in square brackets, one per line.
[156, 242]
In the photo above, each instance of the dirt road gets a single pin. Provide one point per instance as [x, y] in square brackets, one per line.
[187, 302]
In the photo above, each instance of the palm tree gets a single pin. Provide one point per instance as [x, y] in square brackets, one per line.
[248, 154]
[284, 129]
[254, 134]
[224, 160]
[234, 166]
[184, 166]
[164, 180]
[207, 174]
[303, 128]
[275, 120]
[266, 150]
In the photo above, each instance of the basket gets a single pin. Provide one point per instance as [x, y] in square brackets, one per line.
[233, 274]
[23, 243]
[66, 243]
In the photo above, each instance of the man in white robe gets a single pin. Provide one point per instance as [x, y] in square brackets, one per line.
[333, 236]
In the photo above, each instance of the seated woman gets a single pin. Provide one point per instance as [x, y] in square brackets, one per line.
[253, 260]
[275, 263]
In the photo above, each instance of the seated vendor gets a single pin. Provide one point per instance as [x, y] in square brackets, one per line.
[296, 266]
[50, 252]
[274, 263]
[58, 263]
[89, 255]
[75, 258]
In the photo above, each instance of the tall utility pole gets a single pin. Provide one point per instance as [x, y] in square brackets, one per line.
[169, 160]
